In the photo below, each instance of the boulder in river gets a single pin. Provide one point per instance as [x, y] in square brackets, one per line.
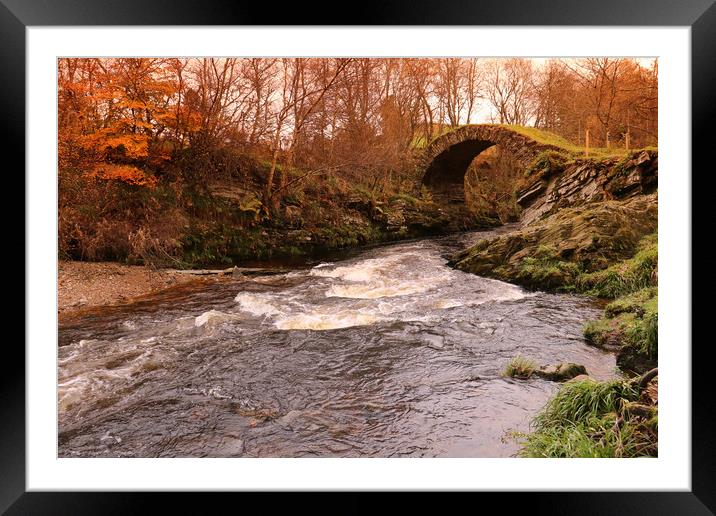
[582, 378]
[560, 372]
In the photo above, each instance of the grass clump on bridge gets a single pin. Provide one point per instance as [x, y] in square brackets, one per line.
[549, 138]
[540, 136]
[543, 137]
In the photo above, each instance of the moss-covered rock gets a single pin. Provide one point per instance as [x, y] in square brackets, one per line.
[561, 372]
[523, 368]
[547, 164]
[553, 253]
[605, 333]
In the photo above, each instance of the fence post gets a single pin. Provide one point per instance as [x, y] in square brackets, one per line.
[586, 142]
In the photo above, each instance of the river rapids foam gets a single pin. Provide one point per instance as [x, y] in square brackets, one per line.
[403, 287]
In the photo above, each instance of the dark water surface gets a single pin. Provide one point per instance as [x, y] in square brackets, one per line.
[389, 353]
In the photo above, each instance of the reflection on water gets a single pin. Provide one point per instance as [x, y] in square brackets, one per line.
[389, 353]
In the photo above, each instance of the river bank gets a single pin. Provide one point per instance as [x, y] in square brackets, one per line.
[592, 231]
[91, 284]
[82, 285]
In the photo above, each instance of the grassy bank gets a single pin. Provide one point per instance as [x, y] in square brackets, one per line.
[617, 418]
[593, 419]
[569, 251]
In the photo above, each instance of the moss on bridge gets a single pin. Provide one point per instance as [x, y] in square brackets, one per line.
[542, 137]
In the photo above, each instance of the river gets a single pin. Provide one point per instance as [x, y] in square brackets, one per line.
[388, 353]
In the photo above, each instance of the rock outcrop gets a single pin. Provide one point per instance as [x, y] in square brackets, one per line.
[588, 226]
[559, 184]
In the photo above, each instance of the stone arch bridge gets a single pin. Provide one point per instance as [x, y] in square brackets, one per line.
[447, 158]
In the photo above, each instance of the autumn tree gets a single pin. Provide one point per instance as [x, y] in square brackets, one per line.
[114, 114]
[457, 88]
[262, 128]
[612, 97]
[420, 77]
[259, 73]
[510, 91]
[299, 98]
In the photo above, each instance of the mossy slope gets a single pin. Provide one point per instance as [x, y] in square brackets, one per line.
[553, 253]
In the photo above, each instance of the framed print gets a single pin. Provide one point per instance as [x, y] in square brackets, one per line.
[421, 250]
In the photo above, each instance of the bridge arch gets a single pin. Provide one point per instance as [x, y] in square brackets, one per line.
[447, 158]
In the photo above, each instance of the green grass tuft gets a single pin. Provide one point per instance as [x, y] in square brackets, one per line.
[603, 332]
[631, 322]
[644, 335]
[596, 438]
[519, 367]
[638, 302]
[545, 269]
[577, 402]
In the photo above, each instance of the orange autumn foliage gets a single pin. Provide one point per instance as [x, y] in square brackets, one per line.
[118, 118]
[125, 173]
[104, 141]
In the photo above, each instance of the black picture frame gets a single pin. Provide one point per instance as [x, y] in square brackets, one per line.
[17, 15]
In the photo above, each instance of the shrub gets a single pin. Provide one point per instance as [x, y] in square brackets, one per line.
[546, 164]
